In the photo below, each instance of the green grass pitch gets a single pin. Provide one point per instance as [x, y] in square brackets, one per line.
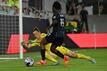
[75, 64]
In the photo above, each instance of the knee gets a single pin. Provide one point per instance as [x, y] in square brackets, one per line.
[52, 49]
[73, 54]
[43, 42]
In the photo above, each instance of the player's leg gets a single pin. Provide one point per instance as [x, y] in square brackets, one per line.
[80, 56]
[43, 61]
[44, 41]
[73, 54]
[66, 58]
[57, 42]
[53, 50]
[70, 53]
[52, 57]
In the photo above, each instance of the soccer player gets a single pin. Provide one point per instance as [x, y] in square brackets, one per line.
[51, 56]
[57, 35]
[65, 51]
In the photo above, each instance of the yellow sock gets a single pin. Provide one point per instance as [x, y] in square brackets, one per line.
[49, 57]
[82, 56]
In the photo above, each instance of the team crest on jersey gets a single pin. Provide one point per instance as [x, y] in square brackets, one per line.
[54, 17]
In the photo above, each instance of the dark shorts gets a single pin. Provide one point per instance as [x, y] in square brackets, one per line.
[55, 39]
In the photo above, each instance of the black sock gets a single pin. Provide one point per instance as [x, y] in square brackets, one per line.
[57, 52]
[43, 54]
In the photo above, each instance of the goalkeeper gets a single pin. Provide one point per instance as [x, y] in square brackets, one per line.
[51, 56]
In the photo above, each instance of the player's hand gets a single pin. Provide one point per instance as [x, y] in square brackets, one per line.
[24, 45]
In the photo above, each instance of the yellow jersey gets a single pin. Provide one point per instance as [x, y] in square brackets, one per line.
[37, 42]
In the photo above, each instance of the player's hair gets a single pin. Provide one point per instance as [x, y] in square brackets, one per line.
[56, 5]
[36, 29]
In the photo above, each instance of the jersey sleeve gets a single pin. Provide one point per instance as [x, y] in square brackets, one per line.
[35, 43]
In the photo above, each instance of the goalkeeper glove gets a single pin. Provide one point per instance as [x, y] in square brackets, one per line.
[24, 46]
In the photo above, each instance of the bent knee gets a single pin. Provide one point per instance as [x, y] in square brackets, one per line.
[73, 54]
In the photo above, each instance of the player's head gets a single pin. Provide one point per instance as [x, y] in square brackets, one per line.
[36, 32]
[56, 7]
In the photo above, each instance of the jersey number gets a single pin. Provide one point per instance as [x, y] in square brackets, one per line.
[62, 22]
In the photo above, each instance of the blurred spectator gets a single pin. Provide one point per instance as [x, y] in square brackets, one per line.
[16, 10]
[71, 7]
[84, 19]
[32, 12]
[11, 7]
[4, 1]
[67, 5]
[1, 10]
[71, 10]
[11, 10]
[4, 10]
[100, 8]
[79, 7]
[25, 11]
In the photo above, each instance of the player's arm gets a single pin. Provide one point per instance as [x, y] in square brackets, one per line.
[54, 21]
[34, 44]
[30, 44]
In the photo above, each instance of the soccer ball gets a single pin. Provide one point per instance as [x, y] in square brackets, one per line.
[29, 61]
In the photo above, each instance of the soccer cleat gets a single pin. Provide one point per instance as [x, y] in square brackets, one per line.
[42, 62]
[93, 60]
[66, 59]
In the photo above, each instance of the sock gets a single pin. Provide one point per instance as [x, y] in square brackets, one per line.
[43, 54]
[50, 57]
[57, 53]
[54, 60]
[82, 56]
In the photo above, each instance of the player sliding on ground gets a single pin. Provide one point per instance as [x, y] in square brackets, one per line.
[51, 56]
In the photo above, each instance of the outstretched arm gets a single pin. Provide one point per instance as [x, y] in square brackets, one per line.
[30, 44]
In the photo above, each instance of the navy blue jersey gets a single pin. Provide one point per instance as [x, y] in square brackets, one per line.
[58, 33]
[58, 21]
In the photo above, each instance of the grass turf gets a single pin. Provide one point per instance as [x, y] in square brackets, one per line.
[75, 64]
